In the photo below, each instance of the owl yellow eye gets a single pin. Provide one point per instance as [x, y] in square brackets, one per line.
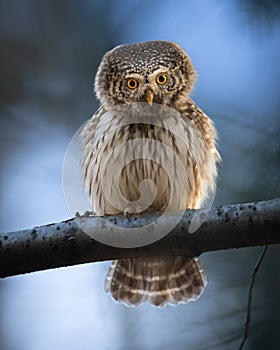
[161, 79]
[132, 83]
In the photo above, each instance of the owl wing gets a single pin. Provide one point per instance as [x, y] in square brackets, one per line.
[91, 160]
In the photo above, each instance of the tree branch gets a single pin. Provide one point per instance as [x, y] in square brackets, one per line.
[65, 244]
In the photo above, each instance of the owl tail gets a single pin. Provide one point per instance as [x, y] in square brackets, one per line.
[158, 280]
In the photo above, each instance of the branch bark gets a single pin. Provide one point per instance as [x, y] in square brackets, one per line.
[64, 244]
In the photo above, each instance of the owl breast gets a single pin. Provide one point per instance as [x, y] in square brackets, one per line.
[145, 166]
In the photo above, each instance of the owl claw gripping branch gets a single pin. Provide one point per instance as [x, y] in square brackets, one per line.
[156, 72]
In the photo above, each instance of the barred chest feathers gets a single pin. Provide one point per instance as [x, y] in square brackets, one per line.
[158, 155]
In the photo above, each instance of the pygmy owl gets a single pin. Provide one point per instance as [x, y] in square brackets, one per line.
[156, 72]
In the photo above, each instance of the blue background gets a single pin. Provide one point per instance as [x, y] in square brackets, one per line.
[49, 53]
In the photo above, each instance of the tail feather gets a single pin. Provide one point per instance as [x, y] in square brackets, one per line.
[158, 280]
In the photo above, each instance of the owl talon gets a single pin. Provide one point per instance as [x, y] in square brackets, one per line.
[138, 210]
[129, 211]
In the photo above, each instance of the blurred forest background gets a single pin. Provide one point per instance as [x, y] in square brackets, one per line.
[49, 53]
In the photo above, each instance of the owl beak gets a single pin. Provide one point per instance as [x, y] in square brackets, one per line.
[149, 97]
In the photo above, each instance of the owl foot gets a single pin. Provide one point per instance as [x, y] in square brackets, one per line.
[129, 211]
[163, 209]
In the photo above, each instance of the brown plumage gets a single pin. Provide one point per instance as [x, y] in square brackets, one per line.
[160, 73]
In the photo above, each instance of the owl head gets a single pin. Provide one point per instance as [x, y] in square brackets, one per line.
[153, 71]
